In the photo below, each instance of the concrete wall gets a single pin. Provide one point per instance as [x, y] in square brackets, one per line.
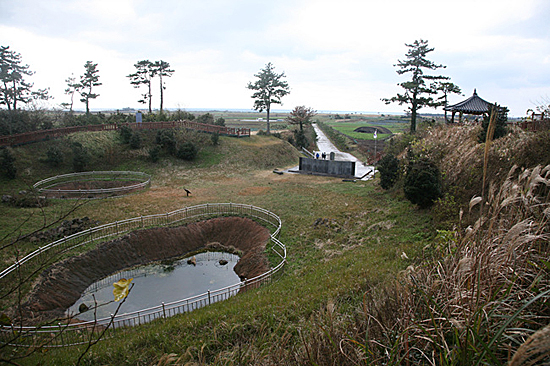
[329, 167]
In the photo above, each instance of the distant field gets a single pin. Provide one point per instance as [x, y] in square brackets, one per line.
[277, 122]
[256, 121]
[250, 120]
[347, 128]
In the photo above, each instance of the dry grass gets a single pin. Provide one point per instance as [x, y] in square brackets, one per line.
[483, 294]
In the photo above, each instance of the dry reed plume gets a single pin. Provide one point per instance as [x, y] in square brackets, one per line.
[487, 293]
[482, 295]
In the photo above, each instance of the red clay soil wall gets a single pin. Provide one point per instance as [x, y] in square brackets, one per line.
[62, 284]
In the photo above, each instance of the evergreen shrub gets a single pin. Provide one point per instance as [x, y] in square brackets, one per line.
[422, 184]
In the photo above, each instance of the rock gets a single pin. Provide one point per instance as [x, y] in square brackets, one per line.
[83, 308]
[192, 261]
[223, 262]
[6, 198]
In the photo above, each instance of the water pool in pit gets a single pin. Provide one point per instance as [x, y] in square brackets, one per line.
[159, 282]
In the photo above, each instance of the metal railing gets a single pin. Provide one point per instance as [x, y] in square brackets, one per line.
[61, 335]
[308, 153]
[47, 186]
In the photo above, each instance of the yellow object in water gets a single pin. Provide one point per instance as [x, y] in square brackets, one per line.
[121, 288]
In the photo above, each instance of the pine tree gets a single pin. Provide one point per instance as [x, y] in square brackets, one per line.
[417, 93]
[13, 87]
[145, 71]
[161, 69]
[87, 82]
[270, 88]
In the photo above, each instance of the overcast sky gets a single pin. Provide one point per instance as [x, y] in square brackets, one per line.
[337, 55]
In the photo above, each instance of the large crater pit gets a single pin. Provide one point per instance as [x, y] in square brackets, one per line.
[62, 284]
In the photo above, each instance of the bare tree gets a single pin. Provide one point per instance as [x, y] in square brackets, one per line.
[301, 115]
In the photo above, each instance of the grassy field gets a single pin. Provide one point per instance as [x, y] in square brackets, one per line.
[368, 230]
[347, 127]
[369, 278]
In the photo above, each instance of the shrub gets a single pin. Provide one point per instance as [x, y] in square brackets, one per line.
[300, 139]
[81, 157]
[154, 154]
[180, 115]
[187, 151]
[206, 118]
[7, 163]
[422, 183]
[500, 127]
[445, 212]
[220, 121]
[135, 140]
[167, 140]
[54, 156]
[388, 167]
[215, 138]
[125, 133]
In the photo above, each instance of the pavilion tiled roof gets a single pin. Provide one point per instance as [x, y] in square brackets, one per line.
[472, 105]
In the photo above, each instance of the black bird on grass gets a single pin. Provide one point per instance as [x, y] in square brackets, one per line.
[187, 191]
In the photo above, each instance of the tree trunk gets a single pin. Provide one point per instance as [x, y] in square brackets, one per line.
[14, 96]
[413, 117]
[268, 132]
[444, 108]
[149, 96]
[161, 92]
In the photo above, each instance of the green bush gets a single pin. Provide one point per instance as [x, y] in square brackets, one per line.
[220, 121]
[388, 167]
[300, 139]
[154, 154]
[81, 157]
[422, 183]
[125, 134]
[180, 115]
[167, 140]
[7, 163]
[135, 140]
[187, 151]
[206, 118]
[54, 156]
[500, 127]
[215, 138]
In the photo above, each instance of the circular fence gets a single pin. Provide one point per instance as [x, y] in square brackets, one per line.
[101, 184]
[64, 334]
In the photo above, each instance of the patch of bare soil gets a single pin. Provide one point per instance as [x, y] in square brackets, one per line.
[62, 284]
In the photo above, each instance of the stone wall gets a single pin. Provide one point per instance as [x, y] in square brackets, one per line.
[344, 169]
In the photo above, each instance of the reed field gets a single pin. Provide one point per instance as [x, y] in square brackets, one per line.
[370, 278]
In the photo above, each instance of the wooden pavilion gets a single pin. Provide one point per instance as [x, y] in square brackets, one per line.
[473, 105]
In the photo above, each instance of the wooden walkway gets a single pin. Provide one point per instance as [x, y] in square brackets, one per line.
[41, 135]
